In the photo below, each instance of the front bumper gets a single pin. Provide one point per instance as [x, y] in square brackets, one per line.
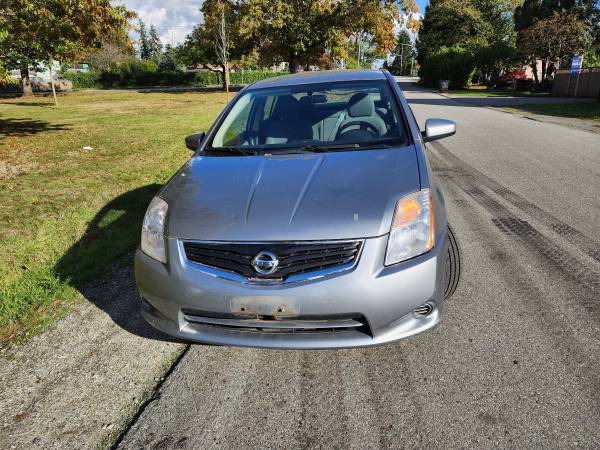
[384, 296]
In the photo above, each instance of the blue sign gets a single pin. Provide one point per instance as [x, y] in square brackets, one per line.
[576, 62]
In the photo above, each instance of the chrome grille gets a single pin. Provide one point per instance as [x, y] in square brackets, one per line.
[294, 258]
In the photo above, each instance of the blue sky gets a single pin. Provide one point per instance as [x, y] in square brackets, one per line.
[422, 4]
[174, 19]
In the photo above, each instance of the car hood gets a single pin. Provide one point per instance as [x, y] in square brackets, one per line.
[325, 196]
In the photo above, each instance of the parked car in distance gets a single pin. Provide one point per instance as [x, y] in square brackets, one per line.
[308, 217]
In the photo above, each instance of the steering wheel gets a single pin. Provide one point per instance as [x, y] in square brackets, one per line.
[363, 125]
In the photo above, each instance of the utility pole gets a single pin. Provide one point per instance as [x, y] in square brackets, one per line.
[402, 61]
[358, 45]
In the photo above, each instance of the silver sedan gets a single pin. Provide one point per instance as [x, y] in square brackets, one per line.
[308, 217]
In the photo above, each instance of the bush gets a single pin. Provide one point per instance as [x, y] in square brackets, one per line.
[83, 80]
[516, 74]
[10, 84]
[455, 64]
[129, 73]
[246, 77]
[543, 85]
[207, 79]
[591, 59]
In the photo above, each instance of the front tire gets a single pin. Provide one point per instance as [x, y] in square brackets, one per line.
[453, 266]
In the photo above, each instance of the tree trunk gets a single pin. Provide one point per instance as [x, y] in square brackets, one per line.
[543, 69]
[27, 91]
[293, 63]
[50, 63]
[551, 69]
[226, 78]
[535, 73]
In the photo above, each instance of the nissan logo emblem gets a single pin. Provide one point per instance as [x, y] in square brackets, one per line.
[265, 263]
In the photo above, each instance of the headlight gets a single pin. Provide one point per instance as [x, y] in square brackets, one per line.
[153, 239]
[412, 231]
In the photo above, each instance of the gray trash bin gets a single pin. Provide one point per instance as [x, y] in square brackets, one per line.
[444, 85]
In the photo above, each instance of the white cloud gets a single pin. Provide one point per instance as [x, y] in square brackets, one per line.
[173, 19]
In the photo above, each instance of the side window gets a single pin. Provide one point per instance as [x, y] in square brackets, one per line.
[238, 126]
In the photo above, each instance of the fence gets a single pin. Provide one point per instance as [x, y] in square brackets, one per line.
[586, 84]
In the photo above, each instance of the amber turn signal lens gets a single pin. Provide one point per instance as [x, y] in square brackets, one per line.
[431, 241]
[407, 212]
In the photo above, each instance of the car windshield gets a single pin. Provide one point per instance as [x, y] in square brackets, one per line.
[324, 116]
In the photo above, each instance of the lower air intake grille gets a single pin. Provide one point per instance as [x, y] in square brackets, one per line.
[292, 258]
[264, 324]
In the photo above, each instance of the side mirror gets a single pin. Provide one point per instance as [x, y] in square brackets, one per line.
[193, 140]
[438, 129]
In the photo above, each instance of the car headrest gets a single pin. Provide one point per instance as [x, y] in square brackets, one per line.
[361, 105]
[286, 106]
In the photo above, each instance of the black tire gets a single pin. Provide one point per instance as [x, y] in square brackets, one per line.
[452, 272]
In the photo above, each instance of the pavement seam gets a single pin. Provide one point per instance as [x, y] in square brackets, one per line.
[131, 423]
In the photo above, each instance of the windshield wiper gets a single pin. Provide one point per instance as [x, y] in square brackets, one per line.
[232, 151]
[342, 147]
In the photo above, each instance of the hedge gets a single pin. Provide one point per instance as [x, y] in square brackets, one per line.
[207, 79]
[83, 80]
[133, 74]
[448, 63]
[248, 77]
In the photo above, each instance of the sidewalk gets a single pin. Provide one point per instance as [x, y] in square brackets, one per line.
[79, 383]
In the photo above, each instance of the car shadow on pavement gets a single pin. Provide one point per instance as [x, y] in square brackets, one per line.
[100, 264]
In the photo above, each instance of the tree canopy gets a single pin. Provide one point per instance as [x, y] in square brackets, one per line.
[299, 32]
[150, 43]
[46, 30]
[498, 34]
[554, 37]
[554, 30]
[404, 53]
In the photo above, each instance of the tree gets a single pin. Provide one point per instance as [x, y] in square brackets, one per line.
[112, 49]
[145, 51]
[49, 30]
[222, 45]
[168, 61]
[404, 55]
[456, 24]
[300, 32]
[452, 22]
[154, 44]
[219, 37]
[196, 47]
[554, 38]
[499, 49]
[484, 28]
[527, 16]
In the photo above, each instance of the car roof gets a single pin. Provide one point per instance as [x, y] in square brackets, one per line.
[322, 76]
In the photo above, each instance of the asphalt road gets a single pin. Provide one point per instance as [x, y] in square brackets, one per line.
[516, 360]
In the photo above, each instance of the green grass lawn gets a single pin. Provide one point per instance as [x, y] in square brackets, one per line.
[588, 110]
[67, 213]
[493, 93]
